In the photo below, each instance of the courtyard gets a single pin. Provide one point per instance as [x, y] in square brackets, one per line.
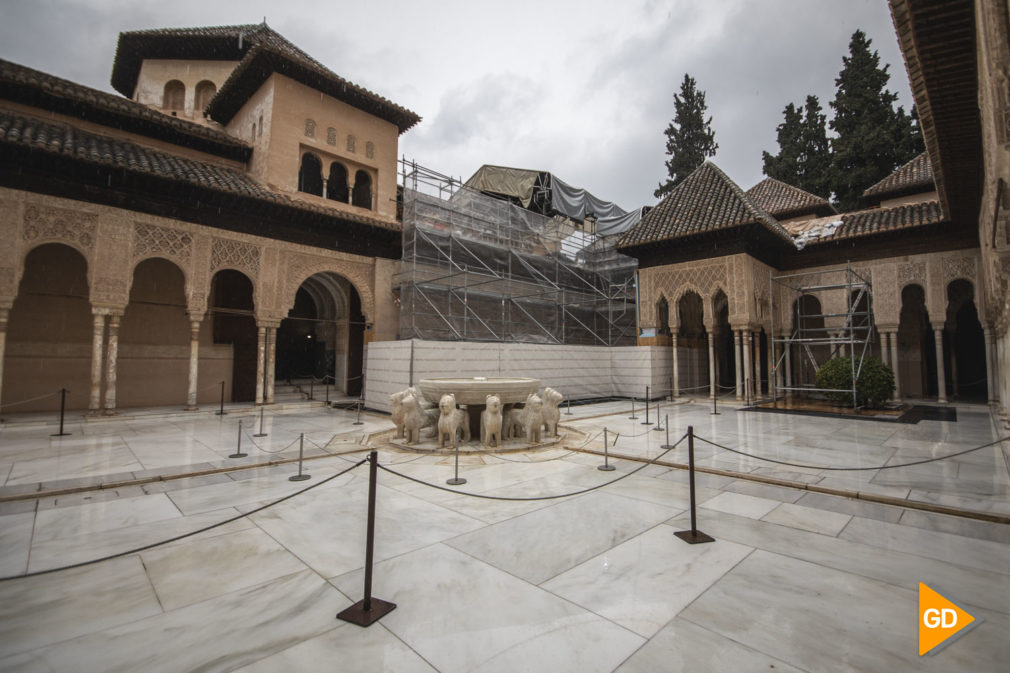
[812, 569]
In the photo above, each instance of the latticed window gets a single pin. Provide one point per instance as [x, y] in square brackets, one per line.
[370, 149]
[350, 143]
[310, 128]
[331, 136]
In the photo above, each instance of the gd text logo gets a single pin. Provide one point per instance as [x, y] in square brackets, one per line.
[939, 620]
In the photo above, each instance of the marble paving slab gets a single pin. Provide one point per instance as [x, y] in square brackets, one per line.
[15, 541]
[220, 634]
[738, 503]
[786, 608]
[195, 570]
[463, 615]
[551, 540]
[808, 518]
[347, 649]
[96, 517]
[643, 583]
[684, 647]
[48, 609]
[70, 465]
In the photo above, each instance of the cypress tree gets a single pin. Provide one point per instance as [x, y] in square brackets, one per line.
[872, 137]
[804, 158]
[689, 137]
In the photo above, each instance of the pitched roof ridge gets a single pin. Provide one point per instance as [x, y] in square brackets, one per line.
[759, 213]
[904, 177]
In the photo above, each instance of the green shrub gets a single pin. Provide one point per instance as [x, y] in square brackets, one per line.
[874, 387]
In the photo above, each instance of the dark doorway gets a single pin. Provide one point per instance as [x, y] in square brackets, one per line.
[231, 301]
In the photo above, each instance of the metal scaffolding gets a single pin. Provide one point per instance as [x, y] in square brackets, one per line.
[479, 268]
[815, 339]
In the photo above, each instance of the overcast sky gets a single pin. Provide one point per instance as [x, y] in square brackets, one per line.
[581, 88]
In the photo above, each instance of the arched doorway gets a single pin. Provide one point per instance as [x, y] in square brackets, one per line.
[725, 363]
[49, 331]
[964, 344]
[807, 356]
[323, 334]
[233, 322]
[916, 345]
[154, 338]
[692, 343]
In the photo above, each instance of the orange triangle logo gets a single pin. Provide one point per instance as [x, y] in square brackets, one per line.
[939, 619]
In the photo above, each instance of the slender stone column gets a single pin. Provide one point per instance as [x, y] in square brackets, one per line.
[97, 357]
[675, 352]
[739, 366]
[4, 313]
[194, 363]
[941, 377]
[747, 375]
[789, 366]
[990, 374]
[885, 352]
[895, 365]
[757, 364]
[111, 365]
[770, 362]
[261, 356]
[271, 356]
[711, 365]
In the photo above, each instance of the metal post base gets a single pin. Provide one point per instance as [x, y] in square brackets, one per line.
[455, 481]
[261, 434]
[606, 468]
[61, 434]
[357, 614]
[238, 455]
[694, 536]
[300, 477]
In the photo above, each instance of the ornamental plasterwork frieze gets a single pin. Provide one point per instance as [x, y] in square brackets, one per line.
[958, 267]
[911, 272]
[672, 283]
[43, 223]
[230, 254]
[301, 266]
[150, 240]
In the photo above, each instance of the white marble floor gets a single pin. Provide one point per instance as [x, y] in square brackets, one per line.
[795, 581]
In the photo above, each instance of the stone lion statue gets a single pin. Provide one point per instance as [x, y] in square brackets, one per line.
[491, 422]
[451, 421]
[415, 418]
[396, 400]
[551, 412]
[528, 420]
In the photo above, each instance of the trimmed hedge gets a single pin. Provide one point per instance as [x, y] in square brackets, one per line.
[873, 388]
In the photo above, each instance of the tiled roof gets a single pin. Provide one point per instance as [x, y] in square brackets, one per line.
[21, 84]
[707, 200]
[864, 223]
[915, 176]
[71, 142]
[781, 200]
[260, 51]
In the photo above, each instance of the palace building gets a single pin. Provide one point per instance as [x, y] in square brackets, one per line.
[236, 217]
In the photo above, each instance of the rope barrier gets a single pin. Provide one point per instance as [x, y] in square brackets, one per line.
[250, 438]
[33, 399]
[186, 535]
[529, 499]
[853, 469]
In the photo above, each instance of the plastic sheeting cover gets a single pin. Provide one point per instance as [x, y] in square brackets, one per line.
[515, 182]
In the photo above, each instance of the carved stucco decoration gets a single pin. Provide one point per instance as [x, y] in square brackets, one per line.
[958, 267]
[911, 272]
[150, 240]
[302, 266]
[46, 223]
[231, 254]
[674, 283]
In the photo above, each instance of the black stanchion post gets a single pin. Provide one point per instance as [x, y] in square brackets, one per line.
[456, 480]
[667, 445]
[261, 433]
[238, 449]
[659, 419]
[221, 411]
[368, 610]
[312, 383]
[606, 467]
[633, 417]
[327, 392]
[569, 412]
[646, 421]
[301, 451]
[715, 406]
[63, 410]
[693, 536]
[358, 421]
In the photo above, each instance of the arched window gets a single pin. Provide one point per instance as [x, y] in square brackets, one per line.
[350, 143]
[370, 150]
[175, 95]
[331, 136]
[310, 128]
[310, 175]
[662, 316]
[362, 195]
[336, 185]
[205, 90]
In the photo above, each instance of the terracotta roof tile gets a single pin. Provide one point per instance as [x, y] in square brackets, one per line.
[782, 200]
[915, 176]
[32, 87]
[61, 139]
[864, 223]
[707, 200]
